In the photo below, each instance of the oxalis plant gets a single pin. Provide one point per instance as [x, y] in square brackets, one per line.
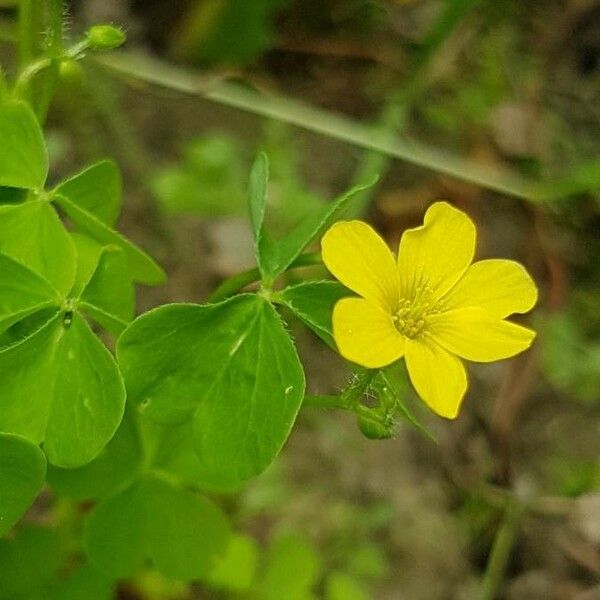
[197, 399]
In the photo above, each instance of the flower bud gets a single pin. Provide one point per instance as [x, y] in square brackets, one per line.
[104, 37]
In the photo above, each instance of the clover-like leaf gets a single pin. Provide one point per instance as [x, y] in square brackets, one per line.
[97, 190]
[33, 234]
[180, 532]
[116, 465]
[142, 268]
[109, 295]
[22, 473]
[231, 367]
[312, 302]
[22, 292]
[74, 391]
[23, 155]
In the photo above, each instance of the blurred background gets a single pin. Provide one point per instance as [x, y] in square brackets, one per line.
[492, 105]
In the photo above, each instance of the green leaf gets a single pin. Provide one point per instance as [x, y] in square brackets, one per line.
[275, 256]
[231, 366]
[23, 156]
[22, 474]
[142, 267]
[33, 234]
[180, 532]
[88, 253]
[10, 195]
[116, 465]
[312, 302]
[109, 296]
[83, 583]
[292, 568]
[29, 563]
[22, 292]
[74, 393]
[236, 570]
[257, 199]
[96, 190]
[341, 586]
[116, 532]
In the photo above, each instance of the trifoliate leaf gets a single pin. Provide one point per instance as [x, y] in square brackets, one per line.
[231, 367]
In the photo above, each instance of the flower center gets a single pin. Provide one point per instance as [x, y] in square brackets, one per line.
[410, 318]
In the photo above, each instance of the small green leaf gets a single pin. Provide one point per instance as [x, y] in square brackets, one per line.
[109, 295]
[33, 234]
[97, 190]
[82, 583]
[236, 570]
[312, 302]
[182, 533]
[292, 568]
[22, 474]
[88, 254]
[116, 532]
[29, 563]
[22, 292]
[257, 199]
[117, 464]
[88, 398]
[341, 586]
[23, 156]
[285, 251]
[75, 395]
[142, 267]
[231, 366]
[275, 256]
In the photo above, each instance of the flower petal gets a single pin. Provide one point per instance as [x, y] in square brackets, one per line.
[501, 287]
[438, 376]
[474, 334]
[365, 333]
[357, 256]
[434, 257]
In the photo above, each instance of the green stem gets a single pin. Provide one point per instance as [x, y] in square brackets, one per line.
[54, 51]
[29, 11]
[241, 280]
[501, 549]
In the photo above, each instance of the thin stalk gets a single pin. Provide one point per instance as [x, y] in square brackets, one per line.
[241, 280]
[54, 51]
[502, 549]
[27, 31]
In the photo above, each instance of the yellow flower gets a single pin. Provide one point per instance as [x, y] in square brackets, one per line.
[431, 306]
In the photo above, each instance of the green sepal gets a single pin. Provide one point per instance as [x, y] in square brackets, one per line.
[182, 533]
[23, 154]
[22, 474]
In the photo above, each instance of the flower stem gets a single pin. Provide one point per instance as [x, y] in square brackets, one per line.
[502, 548]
